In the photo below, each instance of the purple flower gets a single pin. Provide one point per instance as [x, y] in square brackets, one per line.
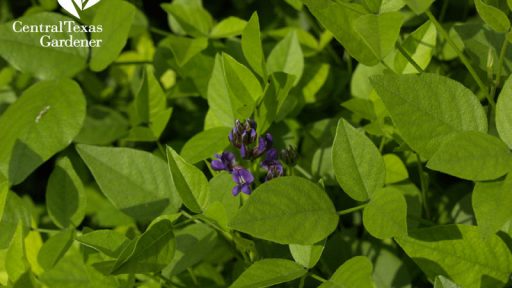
[264, 144]
[289, 156]
[224, 161]
[243, 134]
[272, 165]
[243, 178]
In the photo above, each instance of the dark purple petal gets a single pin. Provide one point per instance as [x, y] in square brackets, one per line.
[244, 152]
[236, 190]
[246, 189]
[217, 165]
[272, 155]
[241, 175]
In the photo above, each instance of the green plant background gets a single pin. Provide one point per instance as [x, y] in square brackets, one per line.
[400, 111]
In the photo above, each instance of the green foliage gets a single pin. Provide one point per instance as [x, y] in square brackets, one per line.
[287, 143]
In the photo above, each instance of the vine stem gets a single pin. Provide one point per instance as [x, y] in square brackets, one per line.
[501, 58]
[461, 55]
[423, 184]
[303, 172]
[350, 210]
[409, 58]
[302, 281]
[314, 276]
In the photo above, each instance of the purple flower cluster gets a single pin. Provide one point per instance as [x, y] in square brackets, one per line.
[244, 137]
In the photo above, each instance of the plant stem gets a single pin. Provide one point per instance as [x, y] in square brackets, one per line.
[423, 184]
[409, 58]
[314, 276]
[302, 281]
[501, 58]
[461, 55]
[303, 172]
[159, 31]
[350, 210]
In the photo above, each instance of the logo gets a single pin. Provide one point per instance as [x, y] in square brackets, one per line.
[73, 6]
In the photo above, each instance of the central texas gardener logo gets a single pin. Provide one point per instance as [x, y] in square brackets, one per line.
[74, 6]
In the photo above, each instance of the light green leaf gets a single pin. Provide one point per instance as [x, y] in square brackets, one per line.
[193, 243]
[251, 46]
[222, 206]
[379, 32]
[15, 213]
[185, 48]
[307, 255]
[472, 156]
[489, 200]
[509, 3]
[4, 192]
[373, 5]
[357, 163]
[419, 6]
[232, 91]
[65, 195]
[418, 107]
[504, 113]
[460, 253]
[229, 27]
[116, 18]
[287, 57]
[151, 251]
[355, 272]
[42, 122]
[419, 45]
[20, 49]
[443, 282]
[287, 210]
[395, 169]
[205, 144]
[15, 257]
[386, 214]
[493, 16]
[54, 248]
[136, 182]
[269, 272]
[108, 242]
[102, 126]
[189, 16]
[189, 181]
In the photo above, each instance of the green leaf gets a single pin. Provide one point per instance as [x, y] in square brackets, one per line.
[395, 169]
[287, 210]
[251, 46]
[493, 16]
[116, 18]
[373, 5]
[150, 106]
[205, 144]
[189, 181]
[42, 122]
[222, 206]
[232, 91]
[229, 27]
[287, 57]
[386, 214]
[193, 244]
[472, 156]
[136, 182]
[419, 6]
[108, 242]
[54, 249]
[357, 163]
[379, 32]
[443, 282]
[509, 3]
[4, 192]
[503, 115]
[355, 272]
[419, 45]
[15, 257]
[189, 16]
[418, 107]
[488, 200]
[102, 126]
[460, 253]
[269, 272]
[151, 252]
[65, 195]
[307, 255]
[15, 213]
[185, 48]
[20, 49]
